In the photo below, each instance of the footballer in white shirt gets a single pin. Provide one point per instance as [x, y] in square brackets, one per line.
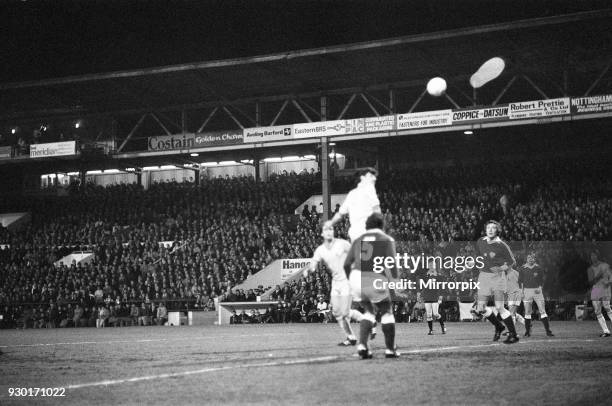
[333, 252]
[359, 204]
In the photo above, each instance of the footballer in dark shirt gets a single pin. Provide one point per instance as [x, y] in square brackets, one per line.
[497, 259]
[370, 283]
[531, 277]
[432, 296]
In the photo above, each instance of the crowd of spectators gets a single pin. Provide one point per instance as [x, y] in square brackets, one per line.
[222, 231]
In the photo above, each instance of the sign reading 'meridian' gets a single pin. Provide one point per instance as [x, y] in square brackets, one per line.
[53, 149]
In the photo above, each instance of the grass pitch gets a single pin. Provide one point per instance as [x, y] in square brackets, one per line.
[300, 364]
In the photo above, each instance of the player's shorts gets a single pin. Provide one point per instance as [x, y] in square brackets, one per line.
[356, 232]
[514, 298]
[532, 294]
[432, 310]
[600, 293]
[489, 283]
[367, 286]
[341, 298]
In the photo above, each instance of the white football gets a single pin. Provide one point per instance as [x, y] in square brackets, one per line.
[436, 86]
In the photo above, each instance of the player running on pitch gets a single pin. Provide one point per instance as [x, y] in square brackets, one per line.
[333, 252]
[600, 278]
[433, 298]
[498, 259]
[532, 279]
[368, 286]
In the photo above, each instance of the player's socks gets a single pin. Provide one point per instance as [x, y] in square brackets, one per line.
[602, 323]
[499, 327]
[495, 321]
[345, 325]
[508, 322]
[442, 326]
[527, 327]
[389, 332]
[547, 326]
[430, 324]
[364, 331]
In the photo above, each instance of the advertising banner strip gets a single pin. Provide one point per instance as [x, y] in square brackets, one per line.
[216, 138]
[355, 126]
[265, 134]
[320, 129]
[190, 140]
[377, 124]
[497, 113]
[592, 104]
[436, 118]
[407, 121]
[539, 108]
[53, 149]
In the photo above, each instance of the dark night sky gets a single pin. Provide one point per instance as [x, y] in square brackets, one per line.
[42, 39]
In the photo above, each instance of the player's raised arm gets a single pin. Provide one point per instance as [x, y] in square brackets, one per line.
[508, 255]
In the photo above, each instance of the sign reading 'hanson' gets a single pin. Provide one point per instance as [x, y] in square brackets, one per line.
[292, 266]
[190, 141]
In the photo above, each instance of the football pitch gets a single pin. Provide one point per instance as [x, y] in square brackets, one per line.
[300, 364]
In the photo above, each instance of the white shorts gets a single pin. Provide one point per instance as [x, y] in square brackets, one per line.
[600, 293]
[340, 288]
[341, 298]
[514, 298]
[362, 287]
[531, 295]
[490, 283]
[432, 311]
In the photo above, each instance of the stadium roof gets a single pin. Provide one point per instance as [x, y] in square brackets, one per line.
[567, 54]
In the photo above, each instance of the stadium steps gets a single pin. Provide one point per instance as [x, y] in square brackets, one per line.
[79, 257]
[317, 200]
[14, 221]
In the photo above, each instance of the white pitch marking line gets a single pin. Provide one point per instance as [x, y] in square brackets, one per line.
[205, 370]
[455, 347]
[83, 343]
[135, 341]
[290, 362]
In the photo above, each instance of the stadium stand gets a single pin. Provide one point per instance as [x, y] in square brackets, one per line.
[226, 229]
